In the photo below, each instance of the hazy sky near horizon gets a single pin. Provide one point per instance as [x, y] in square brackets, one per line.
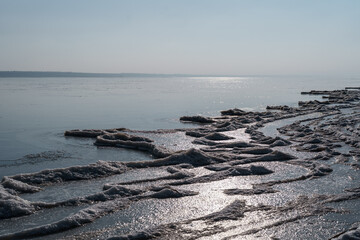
[234, 37]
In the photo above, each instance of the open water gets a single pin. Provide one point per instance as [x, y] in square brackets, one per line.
[35, 112]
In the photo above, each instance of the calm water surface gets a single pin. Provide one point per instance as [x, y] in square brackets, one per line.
[34, 112]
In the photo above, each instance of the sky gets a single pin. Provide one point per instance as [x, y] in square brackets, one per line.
[230, 37]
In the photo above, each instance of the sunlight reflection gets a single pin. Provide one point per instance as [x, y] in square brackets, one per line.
[222, 78]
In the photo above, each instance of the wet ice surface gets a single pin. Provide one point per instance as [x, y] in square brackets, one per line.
[63, 191]
[271, 128]
[175, 141]
[37, 219]
[152, 213]
[239, 135]
[217, 189]
[77, 151]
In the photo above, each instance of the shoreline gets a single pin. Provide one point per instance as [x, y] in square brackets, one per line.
[332, 138]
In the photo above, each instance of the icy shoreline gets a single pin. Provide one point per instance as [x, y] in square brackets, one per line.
[331, 139]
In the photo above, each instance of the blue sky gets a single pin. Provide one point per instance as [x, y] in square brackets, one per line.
[185, 36]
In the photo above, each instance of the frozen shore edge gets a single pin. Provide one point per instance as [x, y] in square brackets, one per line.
[223, 156]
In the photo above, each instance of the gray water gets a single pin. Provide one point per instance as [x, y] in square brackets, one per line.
[35, 112]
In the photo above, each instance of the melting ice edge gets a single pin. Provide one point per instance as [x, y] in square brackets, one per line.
[329, 132]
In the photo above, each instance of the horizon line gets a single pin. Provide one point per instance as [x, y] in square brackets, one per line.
[34, 73]
[128, 74]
